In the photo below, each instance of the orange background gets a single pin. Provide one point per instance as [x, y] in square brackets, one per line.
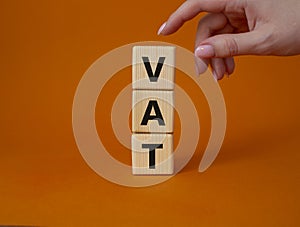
[46, 46]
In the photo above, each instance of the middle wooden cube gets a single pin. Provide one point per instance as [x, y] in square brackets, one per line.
[152, 111]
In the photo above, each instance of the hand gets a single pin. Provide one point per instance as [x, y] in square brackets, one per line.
[239, 27]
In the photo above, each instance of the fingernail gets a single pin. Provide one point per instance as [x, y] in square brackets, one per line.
[205, 51]
[200, 65]
[196, 66]
[161, 28]
[215, 76]
[197, 70]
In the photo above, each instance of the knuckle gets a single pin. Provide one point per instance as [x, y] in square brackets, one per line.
[231, 46]
[228, 47]
[266, 43]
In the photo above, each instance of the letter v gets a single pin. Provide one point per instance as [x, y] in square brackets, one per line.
[153, 77]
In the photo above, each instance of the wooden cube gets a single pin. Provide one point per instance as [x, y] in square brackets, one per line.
[152, 154]
[153, 67]
[152, 111]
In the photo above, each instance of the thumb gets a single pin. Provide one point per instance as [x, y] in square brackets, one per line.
[227, 45]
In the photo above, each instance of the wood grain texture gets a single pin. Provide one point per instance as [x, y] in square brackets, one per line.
[140, 77]
[164, 161]
[145, 100]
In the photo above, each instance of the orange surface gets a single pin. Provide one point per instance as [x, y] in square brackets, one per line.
[46, 46]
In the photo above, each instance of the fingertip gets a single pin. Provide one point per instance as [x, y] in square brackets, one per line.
[161, 29]
[215, 75]
[205, 51]
[219, 68]
[167, 28]
[230, 65]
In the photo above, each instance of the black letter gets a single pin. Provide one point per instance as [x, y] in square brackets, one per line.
[151, 148]
[153, 78]
[158, 116]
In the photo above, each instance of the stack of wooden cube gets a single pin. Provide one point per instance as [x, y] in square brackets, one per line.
[153, 75]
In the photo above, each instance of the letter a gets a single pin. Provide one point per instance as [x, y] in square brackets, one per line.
[158, 116]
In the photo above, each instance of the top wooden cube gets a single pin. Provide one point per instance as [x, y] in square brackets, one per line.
[153, 67]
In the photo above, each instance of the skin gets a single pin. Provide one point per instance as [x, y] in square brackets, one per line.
[239, 27]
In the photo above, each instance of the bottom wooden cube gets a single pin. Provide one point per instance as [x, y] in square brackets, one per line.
[152, 154]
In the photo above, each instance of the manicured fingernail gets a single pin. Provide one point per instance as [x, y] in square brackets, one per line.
[200, 65]
[205, 51]
[196, 66]
[215, 76]
[197, 70]
[161, 28]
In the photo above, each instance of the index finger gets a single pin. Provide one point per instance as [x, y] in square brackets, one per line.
[188, 10]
